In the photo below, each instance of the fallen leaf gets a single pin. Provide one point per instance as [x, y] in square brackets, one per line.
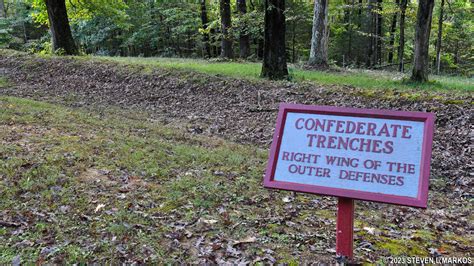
[372, 230]
[287, 199]
[209, 221]
[330, 250]
[249, 239]
[99, 207]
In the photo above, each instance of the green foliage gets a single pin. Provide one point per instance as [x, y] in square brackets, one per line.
[5, 33]
[458, 38]
[174, 29]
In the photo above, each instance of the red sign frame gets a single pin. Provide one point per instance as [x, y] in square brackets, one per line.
[427, 118]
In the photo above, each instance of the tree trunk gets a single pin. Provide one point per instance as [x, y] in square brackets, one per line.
[204, 21]
[214, 42]
[378, 33]
[319, 41]
[359, 14]
[260, 45]
[392, 34]
[374, 53]
[25, 33]
[3, 13]
[59, 26]
[244, 39]
[371, 54]
[349, 42]
[359, 56]
[401, 45]
[422, 38]
[226, 41]
[293, 43]
[440, 34]
[456, 53]
[274, 55]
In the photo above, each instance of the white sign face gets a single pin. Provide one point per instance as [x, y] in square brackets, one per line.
[342, 153]
[363, 154]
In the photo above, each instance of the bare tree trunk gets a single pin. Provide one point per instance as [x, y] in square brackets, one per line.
[25, 33]
[226, 23]
[178, 46]
[456, 53]
[371, 25]
[393, 27]
[359, 14]
[261, 45]
[422, 38]
[59, 26]
[349, 45]
[379, 33]
[360, 6]
[319, 41]
[274, 55]
[244, 39]
[259, 39]
[204, 21]
[214, 41]
[3, 13]
[293, 43]
[440, 34]
[374, 52]
[401, 45]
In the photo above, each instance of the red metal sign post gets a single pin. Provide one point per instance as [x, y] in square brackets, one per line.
[345, 227]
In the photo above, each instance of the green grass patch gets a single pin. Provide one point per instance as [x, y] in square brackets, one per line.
[402, 247]
[3, 82]
[365, 79]
[58, 166]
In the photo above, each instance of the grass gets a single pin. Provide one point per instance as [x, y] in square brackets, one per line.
[3, 82]
[81, 186]
[357, 78]
[58, 165]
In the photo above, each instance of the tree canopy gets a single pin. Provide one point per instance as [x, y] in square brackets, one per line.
[362, 33]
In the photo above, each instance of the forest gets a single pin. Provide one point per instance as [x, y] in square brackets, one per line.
[236, 132]
[417, 37]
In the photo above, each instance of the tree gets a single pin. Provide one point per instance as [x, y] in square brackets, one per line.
[438, 41]
[422, 38]
[393, 27]
[226, 23]
[350, 31]
[320, 35]
[244, 40]
[3, 13]
[204, 21]
[59, 27]
[401, 44]
[258, 12]
[274, 54]
[378, 33]
[374, 49]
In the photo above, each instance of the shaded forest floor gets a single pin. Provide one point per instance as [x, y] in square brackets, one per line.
[128, 163]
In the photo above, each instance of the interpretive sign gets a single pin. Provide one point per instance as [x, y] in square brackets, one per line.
[375, 155]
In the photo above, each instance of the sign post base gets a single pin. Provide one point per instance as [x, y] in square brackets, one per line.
[345, 227]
